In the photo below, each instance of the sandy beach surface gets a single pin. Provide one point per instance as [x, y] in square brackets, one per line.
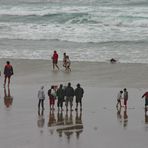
[98, 125]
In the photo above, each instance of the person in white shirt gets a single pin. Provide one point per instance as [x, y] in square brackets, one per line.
[41, 97]
[119, 97]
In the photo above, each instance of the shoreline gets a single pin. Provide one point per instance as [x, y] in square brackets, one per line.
[93, 74]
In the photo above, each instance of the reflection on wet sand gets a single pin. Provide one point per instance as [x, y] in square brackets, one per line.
[8, 99]
[66, 124]
[122, 117]
[41, 119]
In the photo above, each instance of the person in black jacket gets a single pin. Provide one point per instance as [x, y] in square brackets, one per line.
[60, 96]
[69, 93]
[79, 95]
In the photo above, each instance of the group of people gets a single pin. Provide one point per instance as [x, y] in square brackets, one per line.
[122, 95]
[62, 94]
[66, 61]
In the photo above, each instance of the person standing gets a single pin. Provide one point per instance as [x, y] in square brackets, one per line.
[8, 72]
[119, 97]
[69, 93]
[64, 59]
[60, 96]
[125, 97]
[41, 97]
[146, 98]
[68, 63]
[79, 95]
[55, 60]
[52, 97]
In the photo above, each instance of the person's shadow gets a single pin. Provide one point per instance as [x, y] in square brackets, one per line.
[8, 99]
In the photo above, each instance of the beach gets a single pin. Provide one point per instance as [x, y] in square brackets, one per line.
[98, 125]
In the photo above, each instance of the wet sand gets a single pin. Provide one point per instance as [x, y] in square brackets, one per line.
[98, 125]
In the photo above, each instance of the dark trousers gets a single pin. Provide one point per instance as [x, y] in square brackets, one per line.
[41, 102]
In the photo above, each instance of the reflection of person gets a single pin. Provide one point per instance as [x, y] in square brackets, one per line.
[125, 97]
[78, 121]
[52, 119]
[119, 116]
[8, 72]
[55, 60]
[119, 97]
[41, 120]
[60, 96]
[146, 98]
[8, 99]
[79, 94]
[69, 93]
[125, 117]
[41, 97]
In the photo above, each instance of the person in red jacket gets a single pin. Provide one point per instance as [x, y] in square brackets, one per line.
[8, 72]
[55, 60]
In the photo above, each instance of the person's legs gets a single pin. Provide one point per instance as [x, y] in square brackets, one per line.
[8, 81]
[66, 103]
[39, 103]
[42, 102]
[5, 80]
[80, 103]
[57, 66]
[71, 103]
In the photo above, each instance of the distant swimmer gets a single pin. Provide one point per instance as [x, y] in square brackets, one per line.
[112, 60]
[8, 72]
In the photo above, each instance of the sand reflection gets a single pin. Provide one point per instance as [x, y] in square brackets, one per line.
[41, 119]
[8, 99]
[66, 123]
[122, 117]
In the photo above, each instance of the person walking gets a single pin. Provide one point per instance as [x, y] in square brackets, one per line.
[60, 96]
[41, 97]
[119, 97]
[8, 72]
[55, 60]
[125, 97]
[79, 95]
[69, 93]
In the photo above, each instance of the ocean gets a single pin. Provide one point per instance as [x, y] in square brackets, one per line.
[87, 30]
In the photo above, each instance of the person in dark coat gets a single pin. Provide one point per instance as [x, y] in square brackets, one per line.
[60, 96]
[79, 95]
[69, 93]
[8, 72]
